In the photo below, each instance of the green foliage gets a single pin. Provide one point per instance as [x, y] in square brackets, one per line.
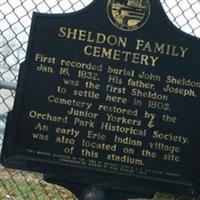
[29, 186]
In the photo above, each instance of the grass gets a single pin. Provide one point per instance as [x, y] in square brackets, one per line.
[28, 186]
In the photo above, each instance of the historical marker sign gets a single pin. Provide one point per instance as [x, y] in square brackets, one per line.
[114, 90]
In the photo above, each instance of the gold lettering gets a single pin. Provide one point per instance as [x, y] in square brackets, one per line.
[101, 38]
[106, 53]
[183, 51]
[144, 60]
[82, 35]
[125, 159]
[161, 48]
[47, 117]
[147, 47]
[87, 50]
[40, 136]
[62, 32]
[114, 54]
[92, 37]
[41, 127]
[154, 60]
[136, 58]
[140, 44]
[117, 55]
[89, 153]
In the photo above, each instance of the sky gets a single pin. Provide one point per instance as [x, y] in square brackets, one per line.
[19, 18]
[15, 17]
[15, 20]
[15, 11]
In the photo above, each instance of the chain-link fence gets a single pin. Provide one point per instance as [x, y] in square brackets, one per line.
[15, 20]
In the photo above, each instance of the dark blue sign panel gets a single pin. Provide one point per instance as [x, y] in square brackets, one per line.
[114, 91]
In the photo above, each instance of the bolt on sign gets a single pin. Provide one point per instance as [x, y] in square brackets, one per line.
[109, 94]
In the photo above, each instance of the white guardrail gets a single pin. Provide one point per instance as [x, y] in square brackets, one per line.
[7, 85]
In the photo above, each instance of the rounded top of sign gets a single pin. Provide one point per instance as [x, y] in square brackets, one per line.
[128, 15]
